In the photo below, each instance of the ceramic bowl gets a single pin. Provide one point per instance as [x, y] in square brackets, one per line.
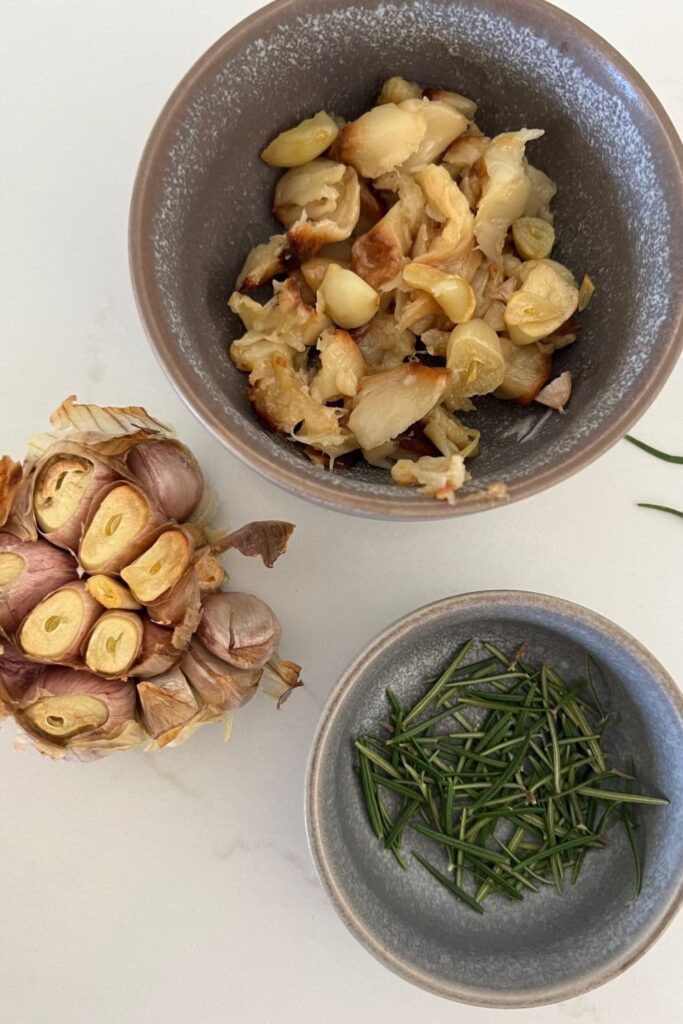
[202, 199]
[548, 947]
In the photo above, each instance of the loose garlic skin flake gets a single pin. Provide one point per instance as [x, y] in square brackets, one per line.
[416, 252]
[299, 145]
[346, 298]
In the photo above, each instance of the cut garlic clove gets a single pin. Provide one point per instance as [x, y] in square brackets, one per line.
[437, 477]
[346, 298]
[341, 367]
[160, 567]
[302, 143]
[465, 151]
[453, 293]
[55, 629]
[534, 238]
[381, 139]
[388, 403]
[118, 530]
[527, 371]
[111, 593]
[547, 298]
[506, 190]
[476, 359]
[384, 344]
[114, 644]
[66, 486]
[262, 264]
[283, 402]
[29, 571]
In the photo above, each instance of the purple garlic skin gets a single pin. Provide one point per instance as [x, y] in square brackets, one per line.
[17, 673]
[169, 472]
[46, 568]
[239, 628]
[118, 696]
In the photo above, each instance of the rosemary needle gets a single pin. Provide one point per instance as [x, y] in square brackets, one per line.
[661, 508]
[665, 456]
[508, 794]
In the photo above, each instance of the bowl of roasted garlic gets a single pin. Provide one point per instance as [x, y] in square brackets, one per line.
[412, 261]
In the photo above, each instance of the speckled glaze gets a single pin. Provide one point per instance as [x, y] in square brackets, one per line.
[202, 199]
[549, 947]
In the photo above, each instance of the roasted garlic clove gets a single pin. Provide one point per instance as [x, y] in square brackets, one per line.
[160, 567]
[388, 403]
[546, 299]
[464, 105]
[453, 293]
[341, 367]
[346, 298]
[381, 139]
[586, 292]
[437, 477]
[444, 125]
[527, 370]
[534, 238]
[303, 143]
[506, 190]
[55, 629]
[282, 400]
[118, 530]
[397, 89]
[476, 359]
[319, 203]
[67, 484]
[446, 204]
[449, 435]
[262, 264]
[384, 344]
[28, 572]
[114, 644]
[464, 153]
[111, 593]
[542, 191]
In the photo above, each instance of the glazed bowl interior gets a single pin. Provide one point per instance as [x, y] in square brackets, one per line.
[548, 947]
[203, 198]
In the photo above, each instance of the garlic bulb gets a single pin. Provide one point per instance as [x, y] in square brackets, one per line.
[169, 471]
[112, 484]
[28, 572]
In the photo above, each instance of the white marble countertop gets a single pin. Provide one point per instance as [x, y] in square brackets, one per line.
[177, 887]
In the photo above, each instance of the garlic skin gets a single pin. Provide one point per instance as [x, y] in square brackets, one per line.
[180, 607]
[29, 571]
[169, 472]
[267, 539]
[157, 652]
[240, 629]
[221, 686]
[557, 393]
[167, 704]
[17, 673]
[11, 477]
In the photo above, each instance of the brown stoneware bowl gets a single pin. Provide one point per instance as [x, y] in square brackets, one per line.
[202, 199]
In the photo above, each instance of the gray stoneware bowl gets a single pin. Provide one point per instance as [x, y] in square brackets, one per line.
[549, 947]
[202, 199]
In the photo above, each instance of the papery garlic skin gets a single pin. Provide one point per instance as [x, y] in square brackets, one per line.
[240, 629]
[168, 704]
[17, 673]
[28, 572]
[169, 472]
[220, 685]
[157, 651]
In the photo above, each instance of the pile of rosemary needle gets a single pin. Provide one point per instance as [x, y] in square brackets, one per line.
[500, 766]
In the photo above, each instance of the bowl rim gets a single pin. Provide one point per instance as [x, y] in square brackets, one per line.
[321, 491]
[474, 601]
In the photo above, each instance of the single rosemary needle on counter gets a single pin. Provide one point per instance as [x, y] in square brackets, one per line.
[661, 508]
[499, 770]
[665, 456]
